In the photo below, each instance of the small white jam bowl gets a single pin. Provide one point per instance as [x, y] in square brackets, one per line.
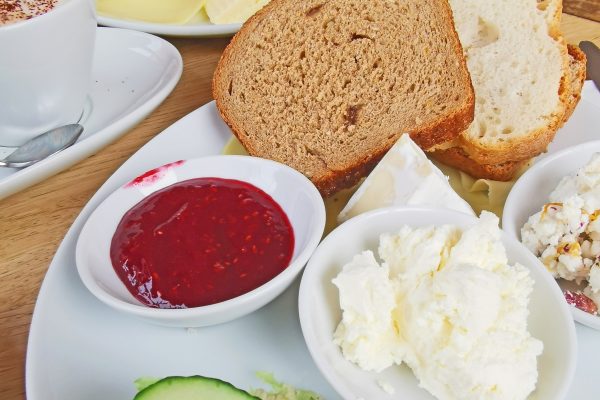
[296, 195]
[531, 191]
[549, 318]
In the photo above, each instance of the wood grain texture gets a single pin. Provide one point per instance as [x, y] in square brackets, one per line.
[35, 220]
[589, 9]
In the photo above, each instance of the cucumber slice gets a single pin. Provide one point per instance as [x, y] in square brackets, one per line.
[192, 388]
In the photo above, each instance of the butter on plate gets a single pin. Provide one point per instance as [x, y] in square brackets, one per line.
[179, 12]
[404, 176]
[176, 12]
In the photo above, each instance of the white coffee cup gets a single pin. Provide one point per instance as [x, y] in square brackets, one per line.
[45, 70]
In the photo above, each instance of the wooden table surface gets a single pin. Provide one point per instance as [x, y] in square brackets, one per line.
[35, 220]
[589, 9]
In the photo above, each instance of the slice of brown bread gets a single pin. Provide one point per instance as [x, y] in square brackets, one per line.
[328, 86]
[457, 158]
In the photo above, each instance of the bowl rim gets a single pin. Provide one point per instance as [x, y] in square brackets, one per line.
[241, 301]
[326, 368]
[533, 174]
[536, 168]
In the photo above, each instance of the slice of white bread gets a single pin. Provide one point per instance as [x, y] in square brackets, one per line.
[506, 171]
[328, 86]
[520, 71]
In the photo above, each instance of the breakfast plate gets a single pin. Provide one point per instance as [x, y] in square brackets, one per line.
[191, 29]
[133, 72]
[79, 348]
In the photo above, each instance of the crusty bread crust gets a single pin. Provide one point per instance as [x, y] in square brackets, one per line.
[335, 181]
[338, 180]
[516, 149]
[442, 129]
[455, 157]
[577, 64]
[553, 10]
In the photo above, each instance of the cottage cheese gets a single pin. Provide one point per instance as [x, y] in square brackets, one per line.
[448, 304]
[565, 233]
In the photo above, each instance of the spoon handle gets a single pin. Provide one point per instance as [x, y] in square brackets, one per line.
[43, 146]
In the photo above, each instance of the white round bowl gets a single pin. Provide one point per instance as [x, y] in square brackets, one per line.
[291, 190]
[549, 318]
[531, 192]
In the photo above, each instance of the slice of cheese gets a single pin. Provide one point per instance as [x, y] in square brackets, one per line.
[232, 11]
[176, 12]
[404, 177]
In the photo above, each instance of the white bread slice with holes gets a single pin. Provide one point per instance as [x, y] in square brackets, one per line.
[328, 86]
[519, 66]
[506, 171]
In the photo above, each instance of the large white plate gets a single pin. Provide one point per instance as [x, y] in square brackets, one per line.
[133, 72]
[80, 349]
[192, 29]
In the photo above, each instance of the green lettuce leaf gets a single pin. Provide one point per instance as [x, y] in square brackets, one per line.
[281, 391]
[145, 381]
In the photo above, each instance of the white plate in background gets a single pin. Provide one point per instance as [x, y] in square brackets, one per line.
[78, 348]
[191, 29]
[133, 72]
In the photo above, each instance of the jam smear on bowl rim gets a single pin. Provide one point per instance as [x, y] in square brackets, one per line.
[201, 241]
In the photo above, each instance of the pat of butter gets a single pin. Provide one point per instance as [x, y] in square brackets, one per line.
[157, 11]
[232, 11]
[404, 176]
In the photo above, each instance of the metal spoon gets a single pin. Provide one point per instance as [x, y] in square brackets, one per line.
[43, 146]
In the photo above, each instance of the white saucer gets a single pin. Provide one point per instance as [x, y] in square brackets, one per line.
[133, 73]
[192, 29]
